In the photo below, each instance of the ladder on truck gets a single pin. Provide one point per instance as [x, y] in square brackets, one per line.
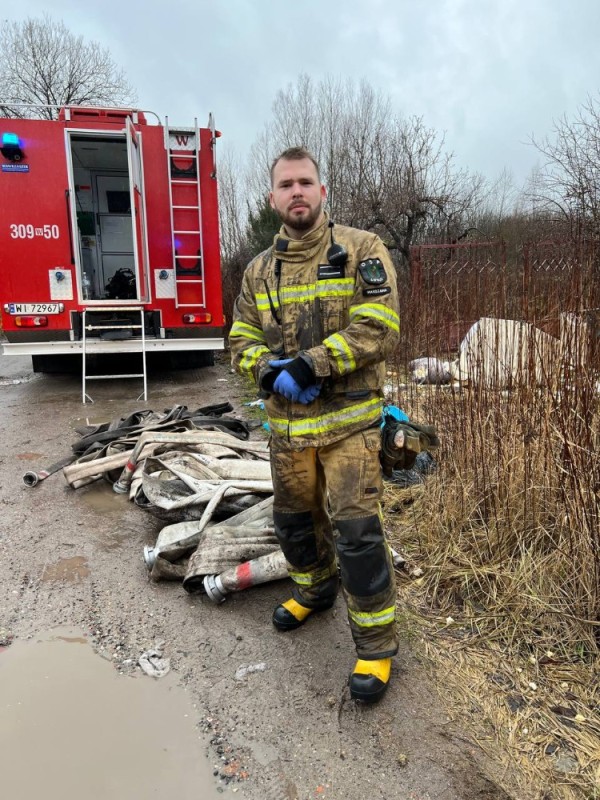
[88, 327]
[183, 170]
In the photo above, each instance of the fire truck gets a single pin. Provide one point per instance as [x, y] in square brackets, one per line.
[109, 238]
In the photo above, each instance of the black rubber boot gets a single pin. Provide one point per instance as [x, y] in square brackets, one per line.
[285, 620]
[369, 687]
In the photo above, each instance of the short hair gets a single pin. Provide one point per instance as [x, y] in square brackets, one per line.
[295, 154]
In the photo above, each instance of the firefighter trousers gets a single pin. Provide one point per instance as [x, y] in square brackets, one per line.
[327, 511]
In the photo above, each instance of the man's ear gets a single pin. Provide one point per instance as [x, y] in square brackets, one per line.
[271, 203]
[323, 193]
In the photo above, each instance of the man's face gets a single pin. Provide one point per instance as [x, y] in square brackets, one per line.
[297, 196]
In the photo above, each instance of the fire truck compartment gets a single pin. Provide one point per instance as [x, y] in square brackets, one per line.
[104, 240]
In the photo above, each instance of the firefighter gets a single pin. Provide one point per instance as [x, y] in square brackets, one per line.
[316, 316]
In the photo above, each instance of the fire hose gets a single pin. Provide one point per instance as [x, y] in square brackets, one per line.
[122, 485]
[32, 478]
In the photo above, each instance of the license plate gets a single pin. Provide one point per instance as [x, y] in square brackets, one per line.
[33, 308]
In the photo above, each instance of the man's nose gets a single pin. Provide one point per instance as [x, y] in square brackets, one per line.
[298, 189]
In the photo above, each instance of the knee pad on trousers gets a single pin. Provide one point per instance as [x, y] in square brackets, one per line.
[296, 534]
[363, 557]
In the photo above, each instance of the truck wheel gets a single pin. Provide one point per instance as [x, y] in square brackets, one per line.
[56, 364]
[192, 359]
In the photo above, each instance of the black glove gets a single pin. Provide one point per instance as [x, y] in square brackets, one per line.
[301, 371]
[269, 375]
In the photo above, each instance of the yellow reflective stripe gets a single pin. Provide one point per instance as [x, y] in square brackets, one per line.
[334, 287]
[342, 353]
[305, 293]
[262, 301]
[312, 578]
[297, 294]
[360, 412]
[251, 356]
[247, 331]
[365, 619]
[376, 311]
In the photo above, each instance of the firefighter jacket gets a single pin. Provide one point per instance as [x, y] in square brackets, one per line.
[342, 319]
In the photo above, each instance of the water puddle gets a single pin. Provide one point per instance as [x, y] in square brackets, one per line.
[67, 570]
[72, 727]
[101, 498]
[16, 381]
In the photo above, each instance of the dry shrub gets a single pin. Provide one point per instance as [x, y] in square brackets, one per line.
[507, 534]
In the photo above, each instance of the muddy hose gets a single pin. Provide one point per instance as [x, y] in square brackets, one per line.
[267, 568]
[270, 567]
[122, 485]
[32, 479]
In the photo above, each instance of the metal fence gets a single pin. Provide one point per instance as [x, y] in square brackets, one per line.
[451, 286]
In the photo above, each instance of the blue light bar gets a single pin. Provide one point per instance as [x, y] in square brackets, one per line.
[10, 139]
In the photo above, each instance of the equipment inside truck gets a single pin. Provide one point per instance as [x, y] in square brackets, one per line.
[104, 237]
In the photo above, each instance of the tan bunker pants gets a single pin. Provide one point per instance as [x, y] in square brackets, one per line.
[347, 476]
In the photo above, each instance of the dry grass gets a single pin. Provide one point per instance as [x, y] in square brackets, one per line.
[507, 533]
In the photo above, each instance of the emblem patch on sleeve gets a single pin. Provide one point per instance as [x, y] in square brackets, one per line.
[372, 271]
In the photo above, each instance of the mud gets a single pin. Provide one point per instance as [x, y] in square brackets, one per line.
[88, 732]
[272, 709]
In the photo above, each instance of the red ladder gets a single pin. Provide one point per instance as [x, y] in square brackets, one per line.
[183, 170]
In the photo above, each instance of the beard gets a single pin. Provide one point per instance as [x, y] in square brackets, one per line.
[300, 222]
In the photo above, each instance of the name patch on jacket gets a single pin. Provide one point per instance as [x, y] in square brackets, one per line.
[372, 271]
[377, 291]
[325, 271]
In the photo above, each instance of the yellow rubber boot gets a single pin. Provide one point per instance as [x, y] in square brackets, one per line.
[291, 614]
[370, 679]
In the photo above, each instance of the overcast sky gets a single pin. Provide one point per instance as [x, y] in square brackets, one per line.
[486, 73]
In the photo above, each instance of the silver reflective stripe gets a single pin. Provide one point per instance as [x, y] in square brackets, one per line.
[370, 620]
[377, 311]
[242, 329]
[369, 411]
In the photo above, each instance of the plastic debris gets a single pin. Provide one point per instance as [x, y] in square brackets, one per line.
[152, 662]
[247, 669]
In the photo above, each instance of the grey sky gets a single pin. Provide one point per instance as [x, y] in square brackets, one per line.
[487, 73]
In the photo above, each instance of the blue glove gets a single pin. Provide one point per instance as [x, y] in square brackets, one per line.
[286, 386]
[306, 396]
[281, 362]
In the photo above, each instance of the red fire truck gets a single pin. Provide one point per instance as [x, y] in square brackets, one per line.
[109, 238]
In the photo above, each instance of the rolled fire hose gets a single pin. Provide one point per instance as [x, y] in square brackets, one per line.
[122, 485]
[271, 567]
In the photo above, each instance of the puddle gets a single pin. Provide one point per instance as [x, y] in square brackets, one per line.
[16, 381]
[101, 498]
[72, 727]
[67, 570]
[111, 541]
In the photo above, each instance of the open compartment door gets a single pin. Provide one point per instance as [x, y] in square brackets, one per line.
[138, 211]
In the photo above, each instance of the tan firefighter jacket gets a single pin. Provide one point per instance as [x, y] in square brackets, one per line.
[345, 319]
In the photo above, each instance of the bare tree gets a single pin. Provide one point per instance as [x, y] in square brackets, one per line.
[42, 62]
[568, 183]
[232, 208]
[383, 172]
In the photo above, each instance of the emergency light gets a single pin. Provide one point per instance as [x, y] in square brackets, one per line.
[11, 147]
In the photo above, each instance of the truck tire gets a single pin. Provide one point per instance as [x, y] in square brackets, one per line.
[57, 364]
[192, 359]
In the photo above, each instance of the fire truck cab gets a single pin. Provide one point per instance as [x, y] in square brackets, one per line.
[109, 237]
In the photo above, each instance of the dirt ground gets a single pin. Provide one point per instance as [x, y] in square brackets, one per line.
[287, 732]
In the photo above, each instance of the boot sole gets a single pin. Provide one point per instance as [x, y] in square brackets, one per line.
[358, 693]
[292, 626]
